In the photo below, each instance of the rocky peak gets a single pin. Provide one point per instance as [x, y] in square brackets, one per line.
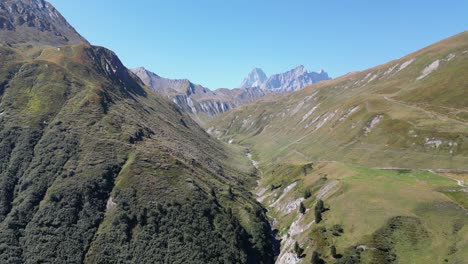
[294, 79]
[35, 21]
[255, 78]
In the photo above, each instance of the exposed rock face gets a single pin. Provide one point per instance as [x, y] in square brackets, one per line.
[289, 81]
[196, 99]
[35, 21]
[255, 78]
[293, 80]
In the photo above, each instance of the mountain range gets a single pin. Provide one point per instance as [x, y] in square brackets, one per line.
[203, 104]
[289, 81]
[200, 102]
[102, 164]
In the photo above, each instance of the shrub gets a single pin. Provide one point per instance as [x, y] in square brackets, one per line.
[302, 208]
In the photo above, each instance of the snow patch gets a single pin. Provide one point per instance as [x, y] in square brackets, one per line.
[429, 69]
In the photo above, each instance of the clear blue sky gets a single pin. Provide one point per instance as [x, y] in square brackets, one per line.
[216, 43]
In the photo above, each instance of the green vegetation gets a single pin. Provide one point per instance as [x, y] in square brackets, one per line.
[375, 118]
[316, 258]
[376, 140]
[298, 250]
[318, 210]
[302, 208]
[96, 169]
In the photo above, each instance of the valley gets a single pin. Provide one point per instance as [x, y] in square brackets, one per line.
[385, 159]
[104, 164]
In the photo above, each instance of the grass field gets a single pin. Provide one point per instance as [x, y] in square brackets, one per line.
[365, 202]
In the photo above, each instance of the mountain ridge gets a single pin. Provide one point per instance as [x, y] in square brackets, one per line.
[97, 168]
[201, 102]
[289, 81]
[35, 21]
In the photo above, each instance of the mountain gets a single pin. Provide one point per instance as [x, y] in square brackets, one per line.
[200, 102]
[97, 168]
[376, 159]
[293, 80]
[289, 81]
[35, 21]
[255, 79]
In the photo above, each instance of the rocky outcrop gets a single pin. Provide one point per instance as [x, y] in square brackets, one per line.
[196, 99]
[289, 81]
[293, 80]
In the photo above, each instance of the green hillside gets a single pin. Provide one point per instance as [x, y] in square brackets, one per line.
[387, 116]
[95, 168]
[383, 148]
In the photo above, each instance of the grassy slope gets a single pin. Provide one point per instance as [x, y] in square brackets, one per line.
[95, 168]
[363, 201]
[422, 125]
[413, 114]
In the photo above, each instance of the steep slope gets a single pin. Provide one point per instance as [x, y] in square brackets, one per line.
[95, 168]
[255, 79]
[408, 113]
[200, 102]
[35, 21]
[385, 150]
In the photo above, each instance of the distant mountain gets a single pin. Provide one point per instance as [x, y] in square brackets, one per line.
[289, 81]
[294, 79]
[35, 21]
[255, 78]
[199, 101]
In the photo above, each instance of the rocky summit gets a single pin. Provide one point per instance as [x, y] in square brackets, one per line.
[35, 21]
[289, 81]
